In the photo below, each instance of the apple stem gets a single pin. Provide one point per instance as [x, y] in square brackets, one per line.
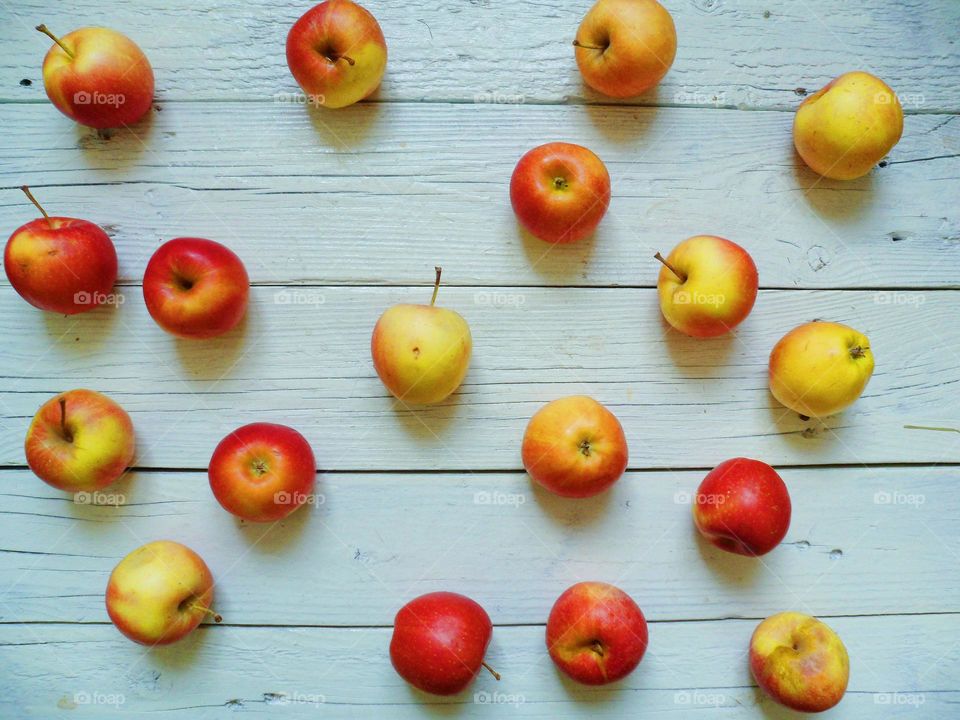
[349, 59]
[217, 617]
[63, 420]
[671, 268]
[29, 194]
[58, 41]
[436, 285]
[577, 43]
[491, 670]
[927, 427]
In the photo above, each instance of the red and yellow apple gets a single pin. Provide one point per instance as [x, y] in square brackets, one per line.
[799, 661]
[560, 192]
[625, 47]
[439, 640]
[596, 633]
[848, 126]
[97, 77]
[421, 352]
[79, 441]
[159, 593]
[60, 264]
[707, 286]
[262, 471]
[195, 288]
[742, 506]
[819, 368]
[574, 447]
[337, 53]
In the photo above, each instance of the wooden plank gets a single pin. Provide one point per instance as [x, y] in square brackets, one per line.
[901, 667]
[371, 542]
[303, 359]
[749, 53]
[377, 196]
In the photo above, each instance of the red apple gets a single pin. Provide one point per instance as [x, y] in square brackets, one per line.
[707, 286]
[438, 642]
[560, 192]
[195, 288]
[159, 593]
[337, 53]
[262, 471]
[625, 47]
[79, 441]
[742, 506]
[97, 77]
[596, 633]
[574, 447]
[60, 264]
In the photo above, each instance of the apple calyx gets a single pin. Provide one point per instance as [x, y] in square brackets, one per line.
[43, 28]
[64, 430]
[493, 672]
[39, 207]
[436, 285]
[585, 448]
[858, 351]
[671, 268]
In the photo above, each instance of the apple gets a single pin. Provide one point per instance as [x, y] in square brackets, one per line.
[439, 640]
[596, 633]
[742, 506]
[625, 47]
[421, 352]
[337, 53]
[819, 368]
[560, 192]
[195, 288]
[707, 286]
[799, 661]
[60, 264]
[262, 471]
[79, 441]
[159, 593]
[97, 77]
[848, 126]
[574, 447]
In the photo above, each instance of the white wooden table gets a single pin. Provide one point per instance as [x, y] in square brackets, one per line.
[340, 214]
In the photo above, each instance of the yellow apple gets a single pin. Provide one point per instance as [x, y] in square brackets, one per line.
[848, 126]
[799, 661]
[421, 352]
[819, 368]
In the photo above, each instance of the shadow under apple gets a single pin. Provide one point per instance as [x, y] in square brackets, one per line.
[214, 358]
[559, 262]
[728, 568]
[345, 129]
[843, 201]
[428, 423]
[575, 512]
[802, 433]
[699, 357]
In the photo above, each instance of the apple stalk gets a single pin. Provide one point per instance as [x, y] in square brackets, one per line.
[671, 268]
[39, 207]
[436, 285]
[58, 41]
[217, 617]
[491, 670]
[67, 435]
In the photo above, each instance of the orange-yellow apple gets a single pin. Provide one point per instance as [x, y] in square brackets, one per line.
[159, 593]
[60, 264]
[421, 352]
[79, 441]
[596, 633]
[799, 661]
[819, 368]
[574, 447]
[97, 77]
[560, 192]
[337, 53]
[262, 471]
[707, 286]
[195, 288]
[848, 126]
[625, 47]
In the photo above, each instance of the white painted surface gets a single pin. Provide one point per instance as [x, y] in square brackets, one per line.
[339, 215]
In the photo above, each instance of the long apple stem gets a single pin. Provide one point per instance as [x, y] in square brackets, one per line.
[58, 41]
[63, 420]
[29, 194]
[577, 43]
[491, 670]
[217, 617]
[927, 427]
[436, 285]
[671, 268]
